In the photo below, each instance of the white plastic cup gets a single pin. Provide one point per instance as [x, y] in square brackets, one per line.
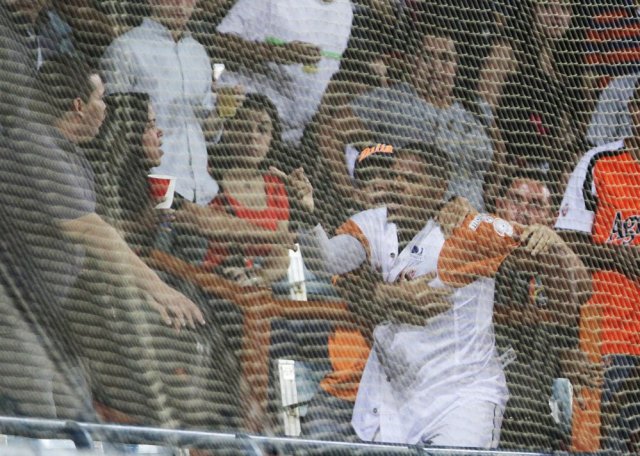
[218, 69]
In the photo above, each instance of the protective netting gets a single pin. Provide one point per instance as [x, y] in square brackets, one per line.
[430, 206]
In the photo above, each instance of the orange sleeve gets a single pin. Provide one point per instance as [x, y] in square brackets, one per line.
[476, 249]
[348, 352]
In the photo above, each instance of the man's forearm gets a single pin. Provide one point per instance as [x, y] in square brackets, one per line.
[219, 226]
[412, 302]
[526, 315]
[250, 54]
[568, 281]
[413, 313]
[103, 243]
[114, 257]
[565, 282]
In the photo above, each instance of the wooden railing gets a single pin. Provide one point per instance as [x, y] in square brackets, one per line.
[259, 308]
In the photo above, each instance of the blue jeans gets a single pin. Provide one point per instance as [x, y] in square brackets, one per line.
[620, 408]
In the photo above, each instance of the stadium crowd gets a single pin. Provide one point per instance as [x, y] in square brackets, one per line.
[462, 175]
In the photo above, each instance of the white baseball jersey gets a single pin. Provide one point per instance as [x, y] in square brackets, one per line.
[575, 213]
[426, 372]
[382, 239]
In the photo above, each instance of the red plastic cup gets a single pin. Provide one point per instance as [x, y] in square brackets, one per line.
[162, 189]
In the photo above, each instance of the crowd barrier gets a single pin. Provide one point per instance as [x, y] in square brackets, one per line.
[91, 436]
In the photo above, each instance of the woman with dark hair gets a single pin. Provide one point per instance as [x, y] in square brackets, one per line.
[128, 146]
[256, 192]
[198, 360]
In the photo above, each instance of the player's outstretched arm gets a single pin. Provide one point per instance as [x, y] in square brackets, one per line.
[337, 255]
[254, 55]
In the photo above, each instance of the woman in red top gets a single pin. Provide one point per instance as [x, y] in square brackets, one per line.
[253, 191]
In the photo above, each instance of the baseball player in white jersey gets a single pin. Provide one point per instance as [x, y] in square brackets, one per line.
[439, 383]
[434, 379]
[433, 376]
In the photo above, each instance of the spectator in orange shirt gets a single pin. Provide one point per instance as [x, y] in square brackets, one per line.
[602, 210]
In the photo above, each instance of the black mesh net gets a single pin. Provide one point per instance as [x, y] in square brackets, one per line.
[429, 207]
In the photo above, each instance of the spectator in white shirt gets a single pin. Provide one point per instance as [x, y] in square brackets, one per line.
[161, 59]
[295, 88]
